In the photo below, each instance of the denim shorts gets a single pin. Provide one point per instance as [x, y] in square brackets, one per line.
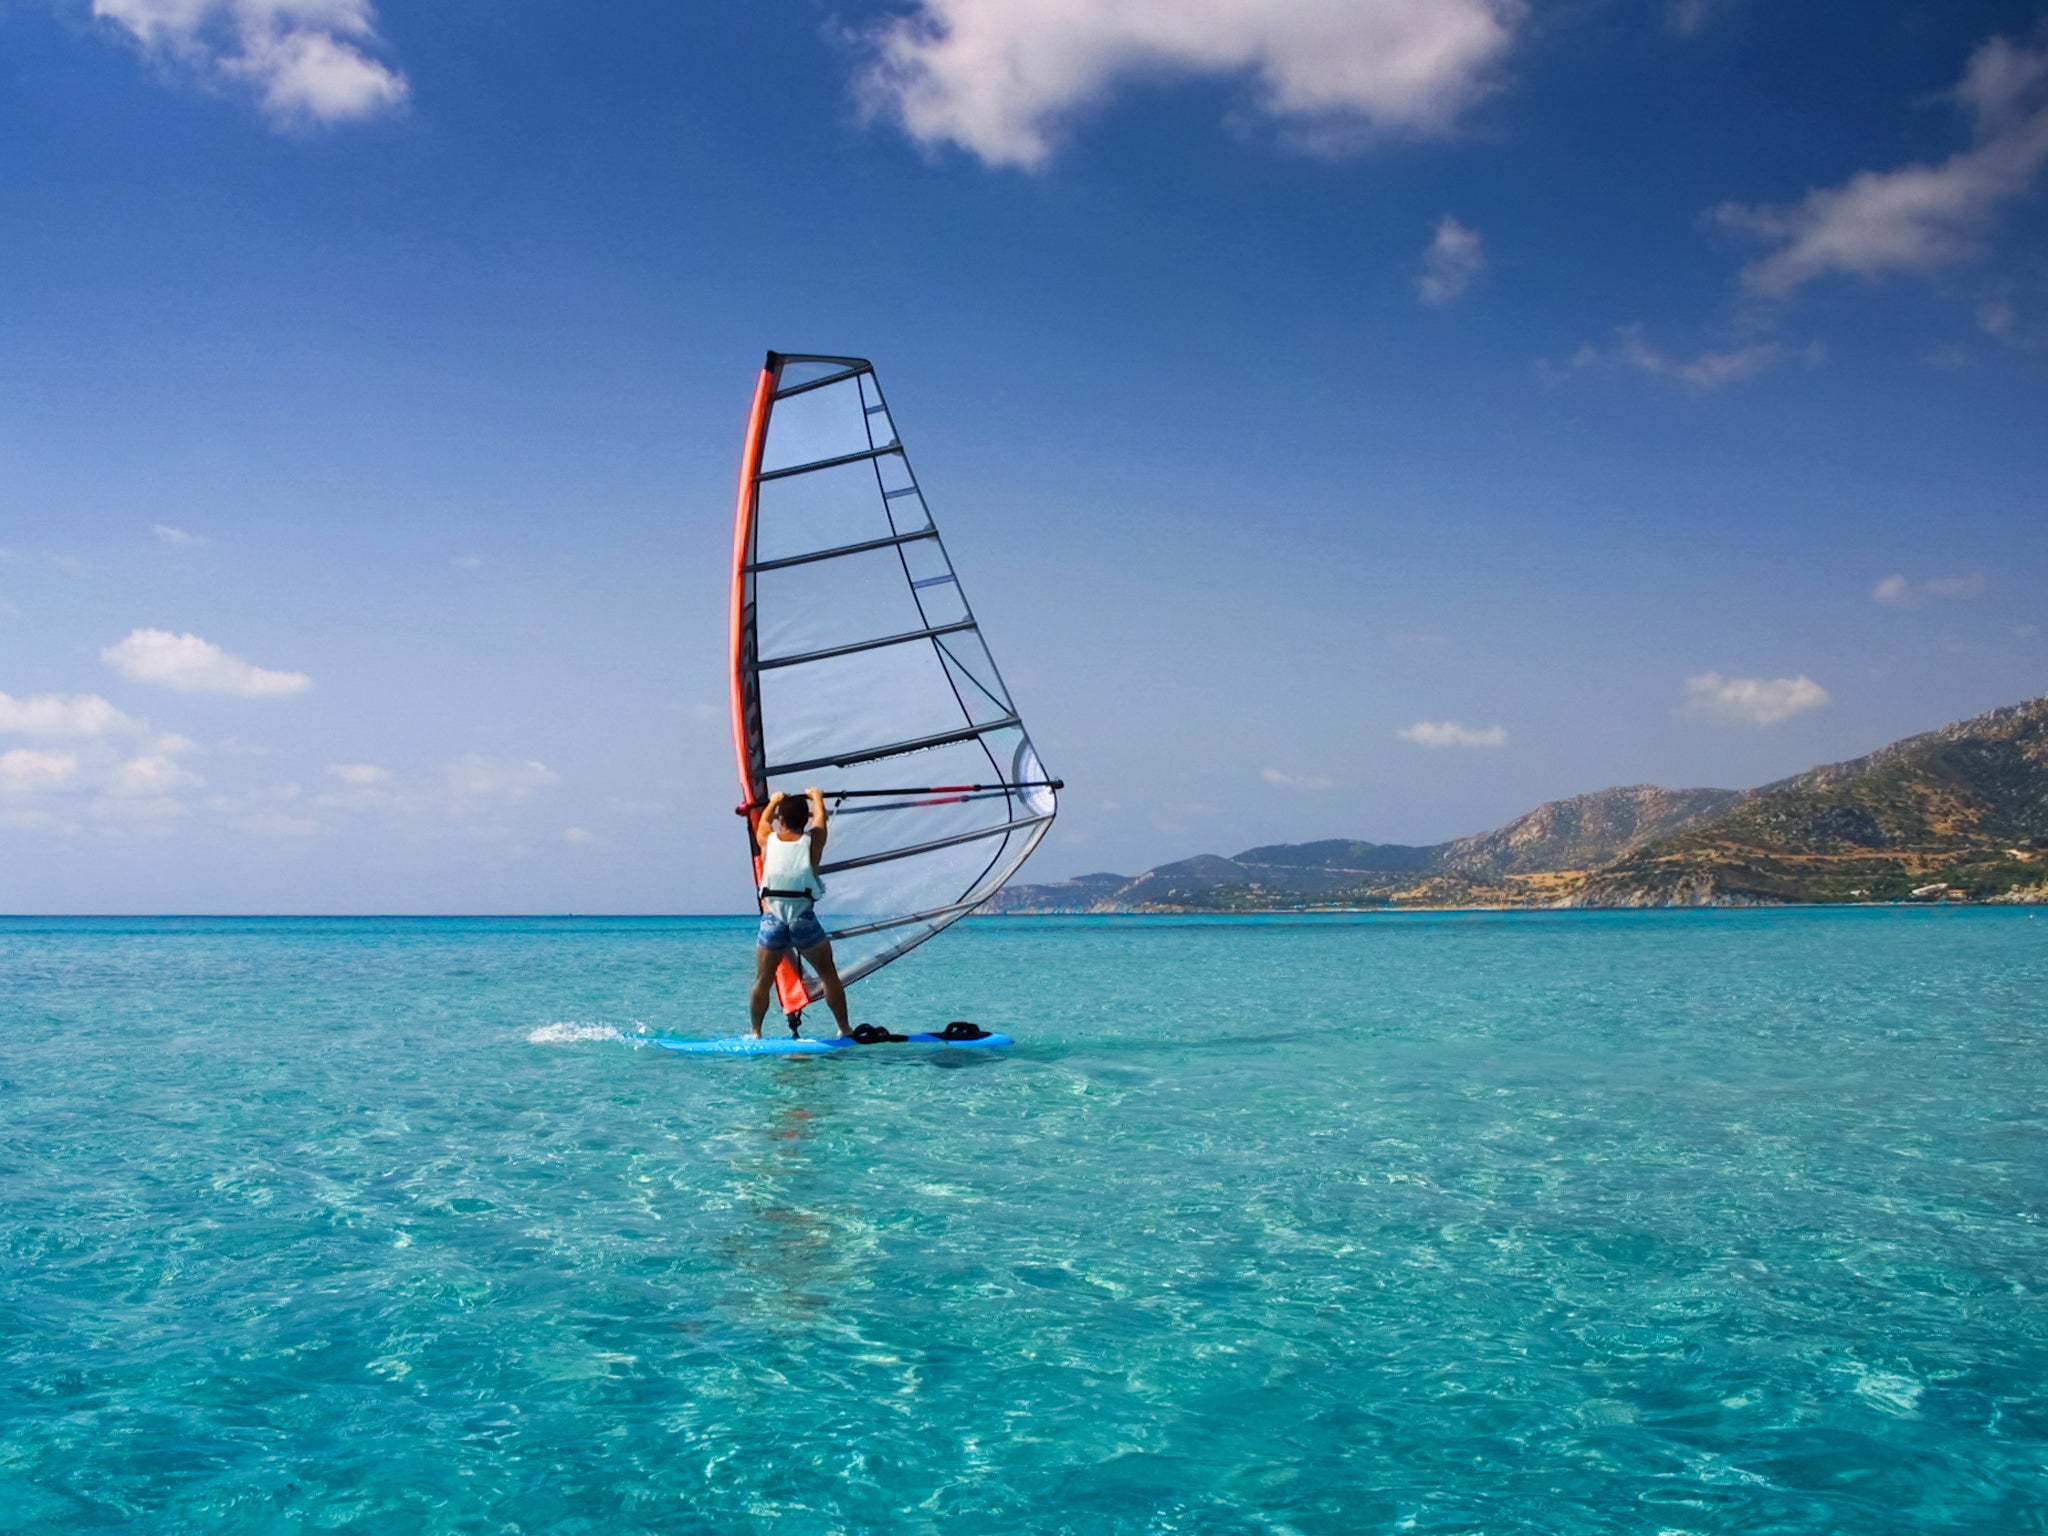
[798, 933]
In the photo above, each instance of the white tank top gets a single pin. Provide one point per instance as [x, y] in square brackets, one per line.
[786, 866]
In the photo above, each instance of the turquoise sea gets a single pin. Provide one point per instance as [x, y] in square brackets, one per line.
[1665, 1222]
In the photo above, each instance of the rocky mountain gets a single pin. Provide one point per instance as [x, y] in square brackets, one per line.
[1958, 813]
[1534, 860]
[1964, 807]
[1585, 831]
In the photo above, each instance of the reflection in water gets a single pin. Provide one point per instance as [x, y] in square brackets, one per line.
[793, 1257]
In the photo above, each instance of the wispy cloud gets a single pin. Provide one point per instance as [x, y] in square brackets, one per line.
[1917, 219]
[1452, 263]
[476, 780]
[1702, 375]
[577, 835]
[1003, 78]
[96, 781]
[1751, 700]
[1689, 18]
[26, 770]
[178, 538]
[1902, 593]
[1301, 781]
[1449, 733]
[54, 714]
[188, 664]
[308, 61]
[153, 774]
[281, 825]
[464, 789]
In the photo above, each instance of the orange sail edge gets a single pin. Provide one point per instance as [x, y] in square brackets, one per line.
[790, 986]
[751, 793]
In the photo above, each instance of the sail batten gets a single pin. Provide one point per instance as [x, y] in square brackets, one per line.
[855, 647]
[898, 749]
[865, 547]
[832, 463]
[858, 665]
[831, 868]
[830, 378]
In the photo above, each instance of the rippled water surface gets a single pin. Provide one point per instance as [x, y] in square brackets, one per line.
[1546, 1222]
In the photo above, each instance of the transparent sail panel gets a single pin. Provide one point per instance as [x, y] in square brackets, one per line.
[869, 677]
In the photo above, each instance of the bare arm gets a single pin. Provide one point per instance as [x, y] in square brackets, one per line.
[764, 828]
[817, 799]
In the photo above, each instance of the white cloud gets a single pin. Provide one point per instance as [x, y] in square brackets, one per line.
[577, 835]
[1751, 700]
[479, 780]
[1702, 375]
[362, 775]
[308, 61]
[1901, 593]
[1304, 781]
[28, 769]
[52, 714]
[1449, 733]
[1918, 218]
[176, 537]
[1003, 78]
[151, 776]
[100, 782]
[188, 664]
[1452, 263]
[2002, 84]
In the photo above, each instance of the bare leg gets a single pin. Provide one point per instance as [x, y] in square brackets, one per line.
[765, 962]
[820, 956]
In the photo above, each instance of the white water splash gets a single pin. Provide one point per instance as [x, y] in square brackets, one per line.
[575, 1033]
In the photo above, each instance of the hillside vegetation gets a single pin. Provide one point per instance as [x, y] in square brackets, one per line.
[1964, 808]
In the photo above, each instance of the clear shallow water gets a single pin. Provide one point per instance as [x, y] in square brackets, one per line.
[1559, 1223]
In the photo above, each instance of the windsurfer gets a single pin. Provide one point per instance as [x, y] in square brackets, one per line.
[791, 837]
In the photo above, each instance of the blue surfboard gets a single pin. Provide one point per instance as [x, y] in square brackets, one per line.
[748, 1045]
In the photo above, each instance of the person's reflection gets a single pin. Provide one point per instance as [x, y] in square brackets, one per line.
[788, 1252]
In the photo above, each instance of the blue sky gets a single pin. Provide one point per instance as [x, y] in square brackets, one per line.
[1350, 417]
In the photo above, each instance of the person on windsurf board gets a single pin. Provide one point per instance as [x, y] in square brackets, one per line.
[791, 837]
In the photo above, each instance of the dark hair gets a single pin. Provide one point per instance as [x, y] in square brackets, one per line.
[794, 813]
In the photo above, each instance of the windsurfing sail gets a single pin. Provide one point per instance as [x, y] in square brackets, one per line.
[857, 666]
